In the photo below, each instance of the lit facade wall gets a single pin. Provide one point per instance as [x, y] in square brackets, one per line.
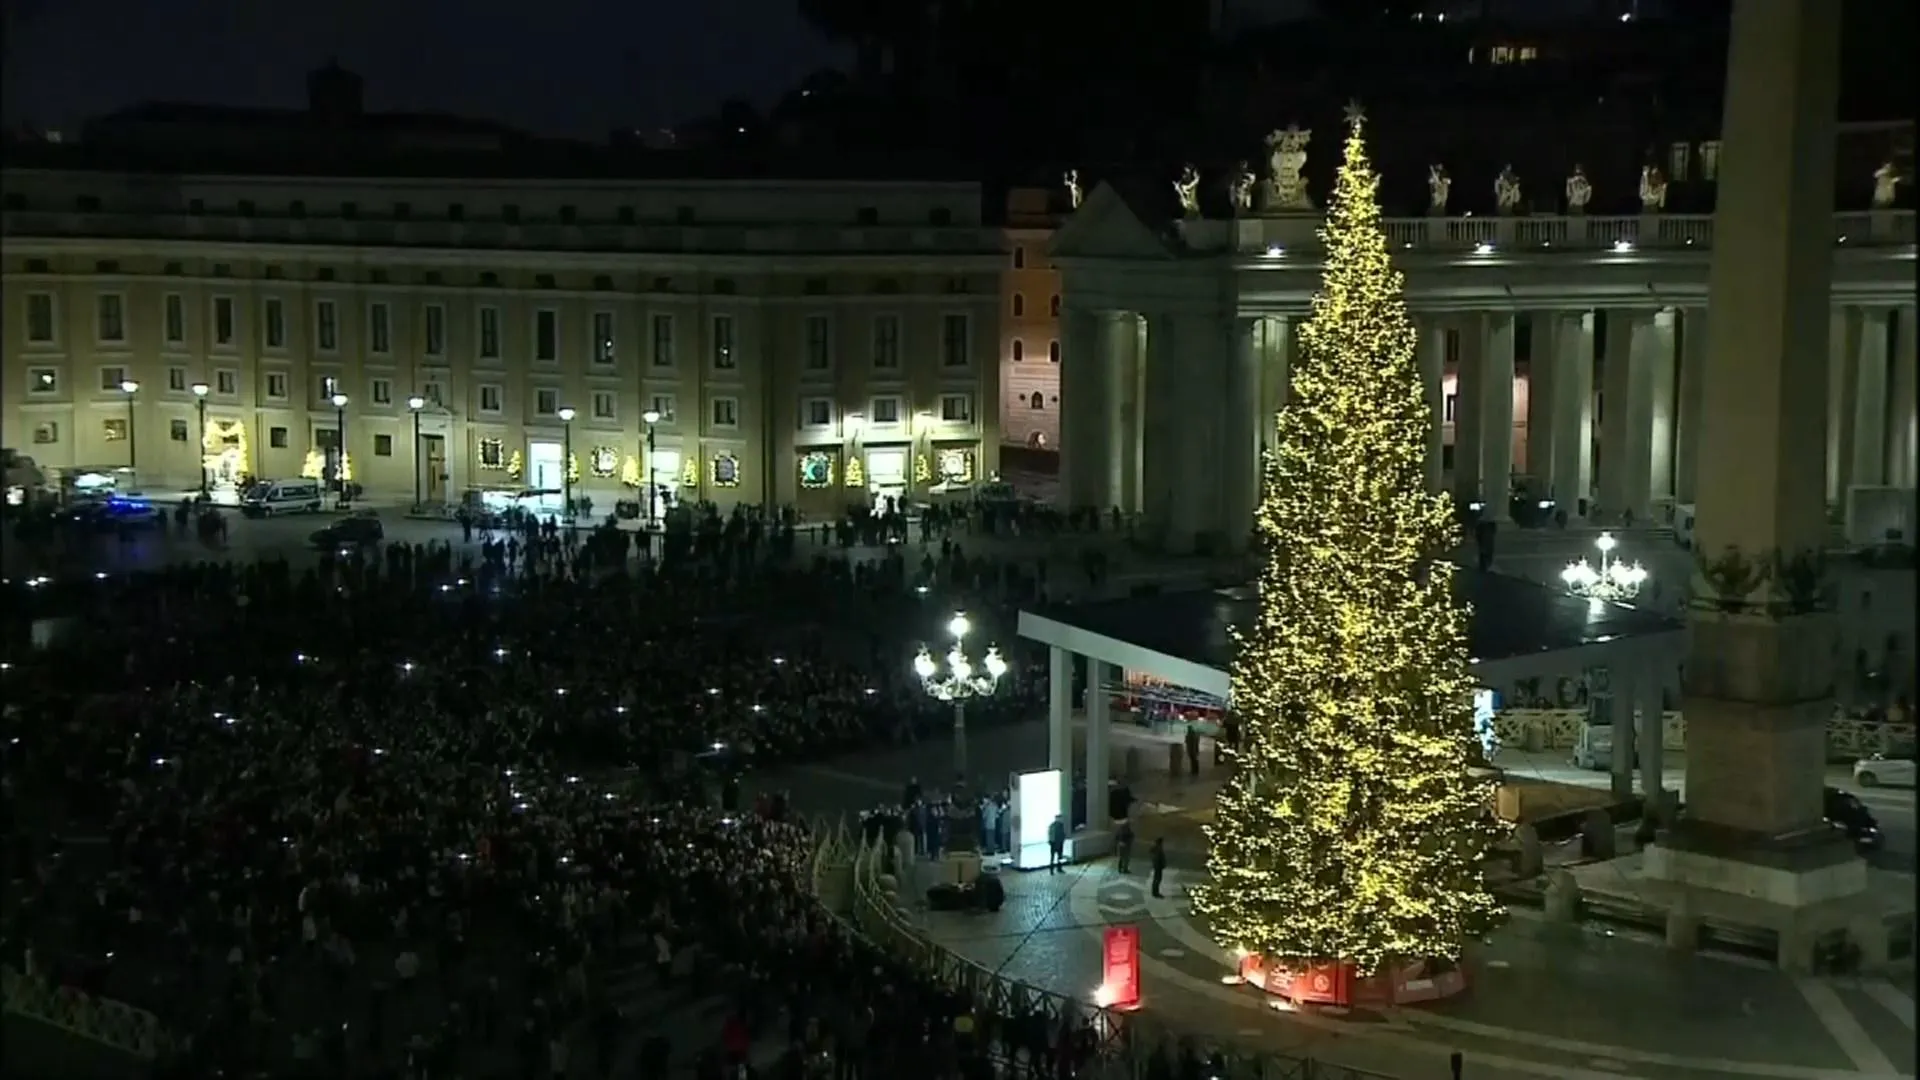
[772, 334]
[1030, 345]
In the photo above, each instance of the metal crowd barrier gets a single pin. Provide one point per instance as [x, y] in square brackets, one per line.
[1128, 1042]
[102, 1020]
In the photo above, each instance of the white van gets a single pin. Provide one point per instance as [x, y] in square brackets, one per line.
[269, 497]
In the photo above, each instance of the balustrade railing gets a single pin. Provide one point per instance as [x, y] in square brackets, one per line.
[97, 1019]
[1849, 737]
[1623, 235]
[1129, 1045]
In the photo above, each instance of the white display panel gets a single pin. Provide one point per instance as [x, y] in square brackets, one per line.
[1486, 705]
[1036, 803]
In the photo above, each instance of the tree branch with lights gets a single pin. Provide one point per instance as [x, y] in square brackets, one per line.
[1351, 830]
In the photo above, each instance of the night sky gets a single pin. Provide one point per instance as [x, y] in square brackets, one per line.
[556, 67]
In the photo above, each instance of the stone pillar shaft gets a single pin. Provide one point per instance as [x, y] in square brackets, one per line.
[1433, 367]
[1617, 488]
[1905, 437]
[1662, 407]
[1467, 413]
[1843, 381]
[1542, 369]
[1693, 362]
[1651, 736]
[1621, 682]
[1086, 440]
[1870, 399]
[1239, 461]
[1572, 382]
[1495, 394]
[1163, 428]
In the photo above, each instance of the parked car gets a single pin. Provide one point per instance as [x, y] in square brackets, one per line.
[115, 513]
[1889, 771]
[1844, 811]
[359, 530]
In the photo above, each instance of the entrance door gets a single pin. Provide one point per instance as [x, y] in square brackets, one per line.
[433, 450]
[883, 492]
[546, 472]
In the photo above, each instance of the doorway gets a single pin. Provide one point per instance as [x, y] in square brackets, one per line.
[546, 474]
[433, 452]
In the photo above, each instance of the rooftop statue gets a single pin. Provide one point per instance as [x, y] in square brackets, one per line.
[1439, 189]
[1286, 156]
[1579, 191]
[1187, 189]
[1506, 190]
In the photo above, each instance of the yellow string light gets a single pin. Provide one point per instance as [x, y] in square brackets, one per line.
[1351, 830]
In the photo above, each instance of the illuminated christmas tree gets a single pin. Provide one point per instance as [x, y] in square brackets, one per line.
[1351, 831]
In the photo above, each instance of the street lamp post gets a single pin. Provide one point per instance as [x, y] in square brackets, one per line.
[130, 388]
[958, 679]
[651, 417]
[566, 461]
[1613, 580]
[414, 405]
[200, 390]
[340, 446]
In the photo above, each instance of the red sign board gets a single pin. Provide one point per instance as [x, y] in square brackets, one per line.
[1120, 971]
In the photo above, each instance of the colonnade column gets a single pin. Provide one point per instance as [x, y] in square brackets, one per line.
[1904, 468]
[1542, 369]
[1662, 408]
[1086, 435]
[1693, 359]
[1100, 675]
[1635, 339]
[1843, 380]
[1467, 422]
[1130, 368]
[1870, 399]
[1433, 372]
[1570, 474]
[1117, 340]
[1622, 684]
[1240, 429]
[1495, 396]
[1060, 720]
[1277, 338]
[1650, 741]
[1163, 428]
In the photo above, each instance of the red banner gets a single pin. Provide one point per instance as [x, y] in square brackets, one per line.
[1120, 972]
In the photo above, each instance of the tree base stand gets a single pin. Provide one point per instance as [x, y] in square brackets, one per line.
[1335, 983]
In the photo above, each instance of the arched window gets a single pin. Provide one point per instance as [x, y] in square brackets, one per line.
[1019, 305]
[1019, 257]
[1019, 350]
[1036, 401]
[1053, 352]
[1053, 306]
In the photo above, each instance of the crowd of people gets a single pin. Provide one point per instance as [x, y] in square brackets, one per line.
[397, 813]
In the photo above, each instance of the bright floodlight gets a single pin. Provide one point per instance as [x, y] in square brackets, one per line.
[1613, 579]
[923, 665]
[958, 626]
[996, 664]
[129, 386]
[1606, 542]
[201, 389]
[567, 415]
[958, 663]
[651, 416]
[416, 403]
[340, 401]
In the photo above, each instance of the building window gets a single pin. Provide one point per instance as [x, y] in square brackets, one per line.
[661, 350]
[173, 319]
[1019, 257]
[326, 326]
[434, 393]
[328, 385]
[956, 341]
[434, 325]
[489, 333]
[226, 382]
[46, 433]
[110, 321]
[1019, 350]
[114, 430]
[816, 412]
[818, 352]
[723, 357]
[956, 408]
[223, 321]
[725, 412]
[1679, 156]
[177, 431]
[1053, 352]
[111, 377]
[1019, 305]
[176, 380]
[663, 405]
[381, 391]
[43, 380]
[490, 396]
[1447, 408]
[605, 405]
[1710, 160]
[546, 335]
[274, 314]
[40, 319]
[885, 410]
[1053, 306]
[277, 385]
[603, 337]
[379, 329]
[277, 438]
[546, 402]
[383, 446]
[886, 343]
[1036, 402]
